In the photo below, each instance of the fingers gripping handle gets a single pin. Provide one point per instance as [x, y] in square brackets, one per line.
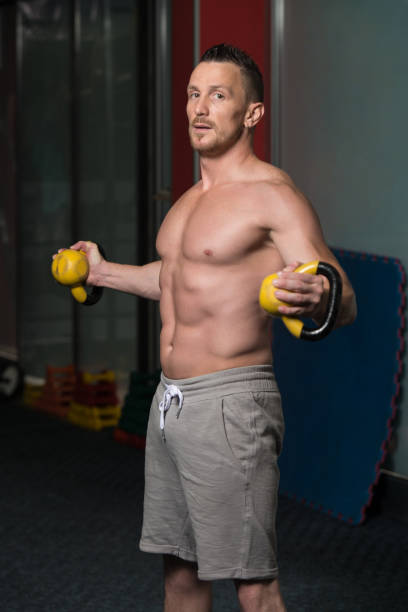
[333, 304]
[71, 268]
[270, 302]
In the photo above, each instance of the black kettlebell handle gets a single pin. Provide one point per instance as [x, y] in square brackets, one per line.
[333, 304]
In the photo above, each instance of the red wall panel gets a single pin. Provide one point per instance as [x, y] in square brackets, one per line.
[245, 25]
[182, 65]
[238, 22]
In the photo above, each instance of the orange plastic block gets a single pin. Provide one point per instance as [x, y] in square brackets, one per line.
[58, 390]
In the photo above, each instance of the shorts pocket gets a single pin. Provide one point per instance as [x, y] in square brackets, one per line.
[269, 422]
[239, 428]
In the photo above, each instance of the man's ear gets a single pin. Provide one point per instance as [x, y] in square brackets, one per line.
[254, 114]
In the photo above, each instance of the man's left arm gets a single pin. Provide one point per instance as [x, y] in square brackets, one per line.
[296, 233]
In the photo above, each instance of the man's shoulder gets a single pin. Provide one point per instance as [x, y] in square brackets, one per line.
[261, 178]
[273, 186]
[272, 179]
[276, 198]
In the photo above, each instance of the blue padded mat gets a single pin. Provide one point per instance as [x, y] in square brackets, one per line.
[340, 394]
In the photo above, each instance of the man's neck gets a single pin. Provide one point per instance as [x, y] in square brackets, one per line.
[226, 167]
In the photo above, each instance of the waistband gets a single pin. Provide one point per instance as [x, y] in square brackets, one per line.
[225, 382]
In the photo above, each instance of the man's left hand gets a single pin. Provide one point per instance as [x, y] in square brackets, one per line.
[304, 293]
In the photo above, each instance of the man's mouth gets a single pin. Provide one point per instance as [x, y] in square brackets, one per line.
[201, 126]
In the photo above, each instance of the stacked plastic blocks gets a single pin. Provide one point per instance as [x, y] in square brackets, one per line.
[95, 403]
[58, 390]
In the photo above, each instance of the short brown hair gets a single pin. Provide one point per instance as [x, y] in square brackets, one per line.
[251, 73]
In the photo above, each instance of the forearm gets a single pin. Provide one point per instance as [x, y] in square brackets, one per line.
[348, 307]
[138, 280]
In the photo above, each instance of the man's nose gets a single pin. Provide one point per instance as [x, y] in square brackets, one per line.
[201, 107]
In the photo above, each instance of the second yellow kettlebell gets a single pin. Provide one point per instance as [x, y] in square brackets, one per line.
[71, 268]
[271, 303]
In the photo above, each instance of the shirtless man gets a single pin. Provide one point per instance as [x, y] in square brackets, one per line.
[215, 428]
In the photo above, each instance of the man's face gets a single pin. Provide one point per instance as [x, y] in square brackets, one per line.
[216, 107]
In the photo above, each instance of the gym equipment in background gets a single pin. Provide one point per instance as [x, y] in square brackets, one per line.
[58, 391]
[11, 378]
[132, 426]
[270, 302]
[340, 396]
[33, 390]
[71, 268]
[95, 403]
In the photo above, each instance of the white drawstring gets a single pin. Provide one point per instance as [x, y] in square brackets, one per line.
[170, 392]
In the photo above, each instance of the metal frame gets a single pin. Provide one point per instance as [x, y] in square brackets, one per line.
[9, 351]
[143, 169]
[162, 126]
[19, 67]
[75, 41]
[196, 59]
[277, 37]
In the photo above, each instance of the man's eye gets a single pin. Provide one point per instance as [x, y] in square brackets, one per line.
[194, 94]
[219, 96]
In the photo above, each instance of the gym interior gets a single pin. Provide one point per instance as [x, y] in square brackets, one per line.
[94, 146]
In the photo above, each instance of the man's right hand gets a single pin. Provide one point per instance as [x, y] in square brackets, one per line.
[93, 254]
[137, 280]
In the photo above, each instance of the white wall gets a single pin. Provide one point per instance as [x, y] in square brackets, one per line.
[344, 131]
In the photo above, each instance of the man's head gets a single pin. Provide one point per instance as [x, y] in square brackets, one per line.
[252, 77]
[225, 95]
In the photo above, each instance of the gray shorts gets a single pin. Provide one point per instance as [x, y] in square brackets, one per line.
[211, 472]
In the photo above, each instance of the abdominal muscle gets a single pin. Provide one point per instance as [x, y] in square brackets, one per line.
[211, 320]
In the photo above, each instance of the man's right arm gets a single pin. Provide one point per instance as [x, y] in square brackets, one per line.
[138, 280]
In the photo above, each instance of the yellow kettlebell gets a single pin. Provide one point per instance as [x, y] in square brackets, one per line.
[71, 268]
[270, 302]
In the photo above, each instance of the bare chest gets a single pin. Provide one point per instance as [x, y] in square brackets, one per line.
[211, 231]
